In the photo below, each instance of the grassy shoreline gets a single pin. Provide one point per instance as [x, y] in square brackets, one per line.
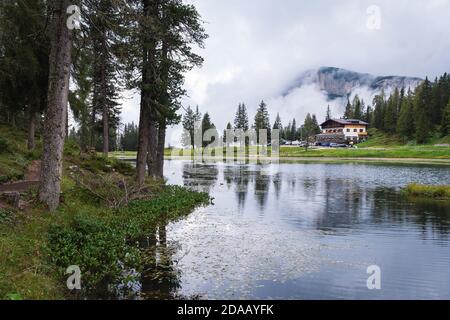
[37, 247]
[427, 191]
[404, 154]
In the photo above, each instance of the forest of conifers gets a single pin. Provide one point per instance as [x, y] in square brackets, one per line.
[83, 55]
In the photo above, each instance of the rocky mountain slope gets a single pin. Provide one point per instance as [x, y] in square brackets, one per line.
[341, 83]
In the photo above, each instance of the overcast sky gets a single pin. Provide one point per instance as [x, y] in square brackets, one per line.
[257, 48]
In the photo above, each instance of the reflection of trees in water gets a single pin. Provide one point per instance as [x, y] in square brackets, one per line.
[310, 187]
[348, 205]
[200, 176]
[277, 184]
[343, 203]
[262, 187]
[160, 279]
[238, 176]
[430, 216]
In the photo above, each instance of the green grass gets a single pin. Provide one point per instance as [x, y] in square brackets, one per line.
[419, 152]
[400, 152]
[426, 191]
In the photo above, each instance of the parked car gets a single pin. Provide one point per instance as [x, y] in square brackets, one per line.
[338, 145]
[324, 144]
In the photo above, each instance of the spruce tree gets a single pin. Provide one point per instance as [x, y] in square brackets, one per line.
[357, 108]
[189, 123]
[207, 125]
[293, 131]
[241, 119]
[405, 124]
[379, 111]
[446, 120]
[226, 132]
[315, 125]
[278, 125]
[349, 111]
[422, 115]
[262, 120]
[368, 115]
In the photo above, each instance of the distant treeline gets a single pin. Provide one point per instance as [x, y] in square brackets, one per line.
[52, 61]
[411, 115]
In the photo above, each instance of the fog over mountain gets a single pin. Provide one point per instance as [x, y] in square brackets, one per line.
[341, 83]
[314, 89]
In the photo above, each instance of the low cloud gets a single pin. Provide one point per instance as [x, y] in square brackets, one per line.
[257, 48]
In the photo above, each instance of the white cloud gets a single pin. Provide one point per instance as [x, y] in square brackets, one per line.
[258, 47]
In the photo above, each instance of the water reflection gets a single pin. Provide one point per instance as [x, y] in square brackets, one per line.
[160, 278]
[304, 231]
[200, 176]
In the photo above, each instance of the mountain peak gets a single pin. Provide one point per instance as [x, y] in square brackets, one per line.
[341, 83]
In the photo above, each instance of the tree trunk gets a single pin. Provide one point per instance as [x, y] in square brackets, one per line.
[66, 135]
[152, 149]
[56, 113]
[165, 103]
[105, 131]
[104, 96]
[161, 146]
[32, 130]
[144, 120]
[147, 90]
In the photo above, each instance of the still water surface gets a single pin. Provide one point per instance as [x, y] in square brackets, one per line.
[305, 231]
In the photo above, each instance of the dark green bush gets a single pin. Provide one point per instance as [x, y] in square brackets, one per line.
[94, 246]
[5, 216]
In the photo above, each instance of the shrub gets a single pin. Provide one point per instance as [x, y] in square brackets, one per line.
[5, 216]
[94, 246]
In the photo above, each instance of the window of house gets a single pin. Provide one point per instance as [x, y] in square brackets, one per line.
[361, 130]
[348, 130]
[355, 130]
